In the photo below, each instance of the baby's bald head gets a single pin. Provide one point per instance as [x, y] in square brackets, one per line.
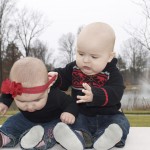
[96, 36]
[29, 71]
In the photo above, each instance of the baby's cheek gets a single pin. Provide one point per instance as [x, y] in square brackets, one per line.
[40, 105]
[17, 104]
[20, 106]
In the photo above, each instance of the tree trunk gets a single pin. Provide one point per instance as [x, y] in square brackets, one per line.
[1, 71]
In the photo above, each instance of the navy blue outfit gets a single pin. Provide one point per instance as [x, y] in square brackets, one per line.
[107, 87]
[17, 125]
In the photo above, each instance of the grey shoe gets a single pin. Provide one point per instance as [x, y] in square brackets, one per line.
[32, 138]
[66, 137]
[109, 138]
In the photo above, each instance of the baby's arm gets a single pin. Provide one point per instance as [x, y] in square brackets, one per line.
[68, 106]
[3, 108]
[64, 80]
[5, 102]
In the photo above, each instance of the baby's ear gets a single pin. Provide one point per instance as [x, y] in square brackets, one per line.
[111, 56]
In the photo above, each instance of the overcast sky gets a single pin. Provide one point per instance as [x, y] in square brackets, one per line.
[68, 15]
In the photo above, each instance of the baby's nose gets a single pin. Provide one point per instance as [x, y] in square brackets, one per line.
[86, 59]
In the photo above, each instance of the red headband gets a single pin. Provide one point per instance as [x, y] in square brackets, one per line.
[13, 88]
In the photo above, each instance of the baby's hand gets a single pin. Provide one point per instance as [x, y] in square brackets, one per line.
[88, 97]
[51, 74]
[3, 108]
[67, 118]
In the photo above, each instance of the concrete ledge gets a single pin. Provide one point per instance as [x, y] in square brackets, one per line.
[138, 139]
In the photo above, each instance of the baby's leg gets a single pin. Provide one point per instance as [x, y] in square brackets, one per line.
[11, 130]
[39, 137]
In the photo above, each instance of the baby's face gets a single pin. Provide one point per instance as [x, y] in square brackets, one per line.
[95, 45]
[92, 60]
[31, 102]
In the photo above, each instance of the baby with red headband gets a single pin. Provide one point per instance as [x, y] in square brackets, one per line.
[39, 104]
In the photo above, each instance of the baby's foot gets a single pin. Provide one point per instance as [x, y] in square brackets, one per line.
[109, 138]
[66, 137]
[33, 138]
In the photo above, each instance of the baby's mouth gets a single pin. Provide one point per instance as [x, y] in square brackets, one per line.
[86, 68]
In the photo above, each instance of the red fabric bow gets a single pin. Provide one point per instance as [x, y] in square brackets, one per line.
[12, 88]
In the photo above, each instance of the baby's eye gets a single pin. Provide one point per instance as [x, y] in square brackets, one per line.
[37, 100]
[95, 57]
[80, 54]
[22, 101]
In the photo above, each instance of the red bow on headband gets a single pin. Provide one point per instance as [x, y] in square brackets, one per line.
[13, 88]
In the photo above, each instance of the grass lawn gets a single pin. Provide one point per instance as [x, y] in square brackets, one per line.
[137, 118]
[9, 113]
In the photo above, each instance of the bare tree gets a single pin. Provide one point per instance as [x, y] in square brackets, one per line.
[67, 46]
[142, 32]
[121, 63]
[40, 50]
[29, 25]
[6, 8]
[11, 54]
[136, 56]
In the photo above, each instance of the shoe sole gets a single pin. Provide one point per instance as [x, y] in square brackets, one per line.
[109, 138]
[33, 137]
[66, 137]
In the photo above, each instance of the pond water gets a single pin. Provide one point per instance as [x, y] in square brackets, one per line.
[137, 98]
